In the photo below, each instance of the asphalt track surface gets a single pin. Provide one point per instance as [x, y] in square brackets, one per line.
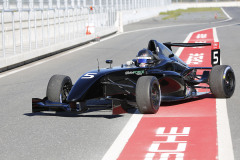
[24, 135]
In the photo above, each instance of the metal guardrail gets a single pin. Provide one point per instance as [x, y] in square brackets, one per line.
[28, 25]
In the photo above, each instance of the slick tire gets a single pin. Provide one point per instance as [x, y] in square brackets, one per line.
[148, 94]
[222, 81]
[58, 88]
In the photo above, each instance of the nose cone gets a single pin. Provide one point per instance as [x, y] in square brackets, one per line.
[75, 93]
[83, 84]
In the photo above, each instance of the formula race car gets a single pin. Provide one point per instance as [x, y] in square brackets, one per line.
[155, 76]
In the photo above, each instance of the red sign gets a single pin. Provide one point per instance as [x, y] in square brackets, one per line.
[215, 45]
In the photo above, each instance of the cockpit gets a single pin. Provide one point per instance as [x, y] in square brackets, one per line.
[162, 51]
[159, 50]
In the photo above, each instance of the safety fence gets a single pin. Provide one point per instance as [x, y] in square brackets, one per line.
[28, 25]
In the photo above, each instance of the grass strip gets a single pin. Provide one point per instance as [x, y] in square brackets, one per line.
[174, 14]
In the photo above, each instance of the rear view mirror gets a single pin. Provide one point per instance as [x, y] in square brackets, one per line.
[109, 62]
[171, 55]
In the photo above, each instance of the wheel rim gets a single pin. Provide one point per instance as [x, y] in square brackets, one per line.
[65, 92]
[229, 82]
[155, 96]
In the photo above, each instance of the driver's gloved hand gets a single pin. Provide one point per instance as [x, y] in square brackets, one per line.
[129, 63]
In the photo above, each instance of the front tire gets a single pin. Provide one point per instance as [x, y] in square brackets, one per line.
[58, 88]
[222, 81]
[148, 94]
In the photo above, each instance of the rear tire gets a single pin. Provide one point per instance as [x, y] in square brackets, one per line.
[222, 81]
[148, 94]
[58, 88]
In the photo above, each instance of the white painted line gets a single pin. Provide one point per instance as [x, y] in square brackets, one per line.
[118, 145]
[215, 37]
[221, 26]
[229, 17]
[228, 25]
[179, 51]
[180, 25]
[225, 148]
[161, 27]
[7, 73]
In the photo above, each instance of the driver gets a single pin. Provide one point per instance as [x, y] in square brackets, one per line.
[144, 58]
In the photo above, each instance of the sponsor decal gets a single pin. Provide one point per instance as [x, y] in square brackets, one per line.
[135, 72]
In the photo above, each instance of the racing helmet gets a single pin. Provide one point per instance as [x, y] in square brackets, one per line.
[144, 58]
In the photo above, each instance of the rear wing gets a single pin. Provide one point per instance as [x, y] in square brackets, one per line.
[169, 44]
[215, 51]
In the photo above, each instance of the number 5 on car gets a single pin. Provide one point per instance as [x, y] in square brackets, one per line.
[215, 57]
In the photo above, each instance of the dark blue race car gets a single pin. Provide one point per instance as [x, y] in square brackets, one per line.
[155, 76]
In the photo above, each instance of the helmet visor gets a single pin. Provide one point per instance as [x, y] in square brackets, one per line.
[143, 59]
